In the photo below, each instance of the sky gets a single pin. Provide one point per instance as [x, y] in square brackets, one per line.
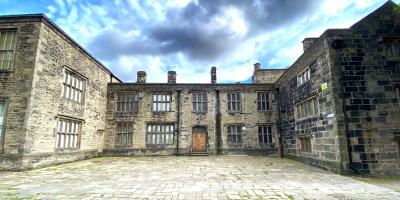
[191, 36]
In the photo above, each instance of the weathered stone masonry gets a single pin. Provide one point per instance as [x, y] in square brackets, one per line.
[336, 107]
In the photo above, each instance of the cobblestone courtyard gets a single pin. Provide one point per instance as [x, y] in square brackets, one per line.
[222, 177]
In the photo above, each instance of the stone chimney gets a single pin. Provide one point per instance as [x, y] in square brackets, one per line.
[141, 77]
[307, 42]
[257, 66]
[213, 75]
[171, 76]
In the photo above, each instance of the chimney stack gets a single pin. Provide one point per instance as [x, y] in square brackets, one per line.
[213, 75]
[141, 77]
[257, 66]
[307, 42]
[172, 77]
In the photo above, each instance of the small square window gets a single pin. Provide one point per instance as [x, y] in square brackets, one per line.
[127, 102]
[161, 102]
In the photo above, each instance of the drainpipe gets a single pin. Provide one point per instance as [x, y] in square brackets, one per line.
[338, 45]
[218, 123]
[178, 111]
[279, 123]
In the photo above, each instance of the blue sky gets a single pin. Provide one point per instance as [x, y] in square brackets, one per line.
[190, 36]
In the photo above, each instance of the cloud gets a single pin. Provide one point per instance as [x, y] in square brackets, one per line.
[190, 36]
[202, 30]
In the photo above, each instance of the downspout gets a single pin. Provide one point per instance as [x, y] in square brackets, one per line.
[279, 123]
[178, 119]
[218, 122]
[338, 45]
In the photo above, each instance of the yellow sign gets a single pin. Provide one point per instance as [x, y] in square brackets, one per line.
[324, 86]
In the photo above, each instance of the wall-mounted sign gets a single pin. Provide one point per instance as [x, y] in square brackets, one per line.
[324, 86]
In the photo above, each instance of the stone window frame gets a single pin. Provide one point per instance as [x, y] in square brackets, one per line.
[128, 104]
[304, 76]
[124, 134]
[390, 45]
[266, 102]
[305, 143]
[157, 102]
[64, 131]
[155, 131]
[81, 89]
[301, 107]
[5, 101]
[238, 134]
[202, 102]
[262, 134]
[237, 101]
[13, 48]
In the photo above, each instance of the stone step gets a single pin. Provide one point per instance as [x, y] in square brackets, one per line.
[199, 154]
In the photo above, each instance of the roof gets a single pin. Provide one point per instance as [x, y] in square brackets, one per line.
[43, 18]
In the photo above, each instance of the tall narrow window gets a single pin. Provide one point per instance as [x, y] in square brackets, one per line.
[68, 133]
[263, 101]
[199, 102]
[235, 135]
[305, 144]
[234, 102]
[160, 134]
[398, 148]
[7, 49]
[2, 122]
[161, 102]
[73, 87]
[265, 134]
[127, 102]
[124, 134]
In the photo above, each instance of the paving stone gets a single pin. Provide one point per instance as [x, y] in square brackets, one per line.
[179, 178]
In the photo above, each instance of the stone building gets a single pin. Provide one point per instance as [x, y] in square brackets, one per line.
[336, 107]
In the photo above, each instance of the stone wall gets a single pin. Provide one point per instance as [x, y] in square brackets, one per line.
[189, 119]
[15, 89]
[321, 129]
[370, 80]
[267, 75]
[56, 53]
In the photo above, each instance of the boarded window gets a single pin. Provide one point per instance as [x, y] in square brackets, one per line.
[8, 41]
[73, 87]
[199, 102]
[127, 102]
[305, 144]
[263, 101]
[234, 102]
[160, 134]
[68, 133]
[235, 134]
[161, 102]
[2, 122]
[124, 134]
[265, 134]
[307, 108]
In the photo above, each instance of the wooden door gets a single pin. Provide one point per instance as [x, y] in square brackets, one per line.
[199, 140]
